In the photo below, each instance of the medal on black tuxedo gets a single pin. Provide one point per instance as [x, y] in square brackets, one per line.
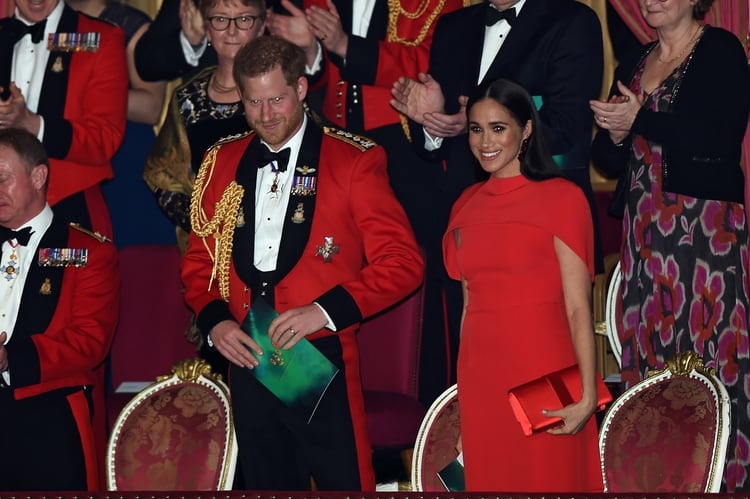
[46, 288]
[299, 214]
[10, 269]
[240, 218]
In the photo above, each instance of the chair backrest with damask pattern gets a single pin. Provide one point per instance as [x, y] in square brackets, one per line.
[667, 433]
[437, 442]
[176, 434]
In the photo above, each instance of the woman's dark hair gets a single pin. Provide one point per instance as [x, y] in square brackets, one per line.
[537, 162]
[700, 8]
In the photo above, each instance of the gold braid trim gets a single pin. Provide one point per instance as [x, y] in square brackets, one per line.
[221, 226]
[395, 10]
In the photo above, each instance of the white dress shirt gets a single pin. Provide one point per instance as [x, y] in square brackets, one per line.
[11, 290]
[494, 37]
[270, 207]
[30, 62]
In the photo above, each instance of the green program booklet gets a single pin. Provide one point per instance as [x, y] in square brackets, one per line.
[452, 476]
[299, 376]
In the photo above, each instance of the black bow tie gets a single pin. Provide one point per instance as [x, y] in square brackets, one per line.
[281, 158]
[18, 29]
[36, 31]
[492, 15]
[22, 236]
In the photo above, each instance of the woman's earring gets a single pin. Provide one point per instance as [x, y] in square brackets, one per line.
[524, 148]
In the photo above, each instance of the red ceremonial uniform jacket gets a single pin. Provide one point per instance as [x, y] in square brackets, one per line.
[83, 101]
[67, 317]
[375, 65]
[376, 260]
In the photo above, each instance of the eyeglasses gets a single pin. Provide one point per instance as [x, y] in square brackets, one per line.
[244, 22]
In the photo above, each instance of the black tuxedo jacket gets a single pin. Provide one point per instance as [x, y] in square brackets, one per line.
[554, 50]
[158, 54]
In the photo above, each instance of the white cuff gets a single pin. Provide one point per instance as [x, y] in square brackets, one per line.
[329, 325]
[192, 54]
[40, 135]
[431, 143]
[317, 63]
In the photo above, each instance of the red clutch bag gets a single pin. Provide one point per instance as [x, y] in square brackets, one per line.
[552, 391]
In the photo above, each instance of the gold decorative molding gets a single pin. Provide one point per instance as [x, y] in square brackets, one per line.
[191, 370]
[683, 364]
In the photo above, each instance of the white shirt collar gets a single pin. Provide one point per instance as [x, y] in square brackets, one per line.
[39, 225]
[518, 6]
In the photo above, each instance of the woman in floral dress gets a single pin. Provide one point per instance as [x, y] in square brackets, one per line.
[674, 124]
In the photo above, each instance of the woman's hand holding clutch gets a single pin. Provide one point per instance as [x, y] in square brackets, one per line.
[574, 417]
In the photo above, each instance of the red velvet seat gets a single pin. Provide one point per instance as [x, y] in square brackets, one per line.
[436, 443]
[389, 358]
[668, 433]
[176, 434]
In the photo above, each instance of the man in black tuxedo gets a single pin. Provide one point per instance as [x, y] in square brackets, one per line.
[551, 47]
[175, 44]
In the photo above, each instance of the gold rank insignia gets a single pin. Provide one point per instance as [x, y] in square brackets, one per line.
[361, 143]
[96, 235]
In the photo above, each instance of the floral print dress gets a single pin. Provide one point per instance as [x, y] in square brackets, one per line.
[685, 281]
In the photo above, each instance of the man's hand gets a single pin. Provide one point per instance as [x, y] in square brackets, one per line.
[447, 125]
[15, 114]
[326, 26]
[233, 344]
[293, 28]
[294, 324]
[3, 352]
[192, 22]
[417, 98]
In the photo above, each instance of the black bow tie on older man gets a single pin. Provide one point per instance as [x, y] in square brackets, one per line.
[16, 29]
[22, 235]
[36, 31]
[492, 15]
[281, 158]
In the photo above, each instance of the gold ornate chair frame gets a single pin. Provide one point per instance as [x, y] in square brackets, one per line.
[441, 416]
[611, 317]
[687, 365]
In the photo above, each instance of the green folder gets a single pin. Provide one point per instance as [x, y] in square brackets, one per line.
[299, 376]
[452, 476]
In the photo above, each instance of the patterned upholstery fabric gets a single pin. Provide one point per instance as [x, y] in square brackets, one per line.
[436, 442]
[664, 436]
[175, 435]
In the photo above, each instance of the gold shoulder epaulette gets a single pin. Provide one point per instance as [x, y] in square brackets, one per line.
[230, 138]
[99, 237]
[358, 141]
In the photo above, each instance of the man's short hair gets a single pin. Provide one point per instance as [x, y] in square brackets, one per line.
[263, 54]
[26, 145]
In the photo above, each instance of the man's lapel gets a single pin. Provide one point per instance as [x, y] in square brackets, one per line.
[243, 252]
[57, 73]
[41, 291]
[302, 200]
[528, 28]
